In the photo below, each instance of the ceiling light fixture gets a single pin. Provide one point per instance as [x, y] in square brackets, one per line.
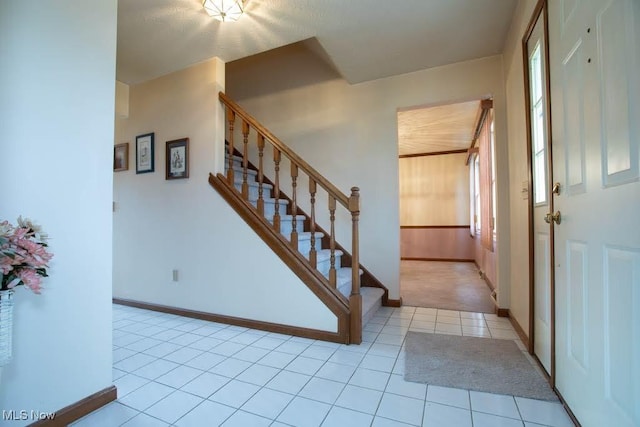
[224, 10]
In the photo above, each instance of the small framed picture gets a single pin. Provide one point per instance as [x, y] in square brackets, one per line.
[144, 153]
[121, 157]
[178, 159]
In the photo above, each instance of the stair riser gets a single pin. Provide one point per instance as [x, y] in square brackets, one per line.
[253, 190]
[285, 226]
[371, 311]
[304, 246]
[238, 175]
[324, 266]
[236, 163]
[270, 210]
[269, 205]
[345, 290]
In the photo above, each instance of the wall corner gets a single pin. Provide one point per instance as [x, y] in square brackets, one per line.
[219, 117]
[122, 100]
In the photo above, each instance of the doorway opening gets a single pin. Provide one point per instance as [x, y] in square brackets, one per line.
[447, 206]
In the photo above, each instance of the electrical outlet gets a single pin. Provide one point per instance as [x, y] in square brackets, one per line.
[175, 275]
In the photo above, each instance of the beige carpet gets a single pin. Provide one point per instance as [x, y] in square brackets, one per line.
[447, 285]
[470, 363]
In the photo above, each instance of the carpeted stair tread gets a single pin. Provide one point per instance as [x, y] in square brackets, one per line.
[235, 159]
[324, 255]
[240, 170]
[370, 294]
[270, 200]
[238, 180]
[287, 217]
[306, 235]
[343, 280]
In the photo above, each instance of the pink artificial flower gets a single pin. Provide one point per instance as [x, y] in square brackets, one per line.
[6, 265]
[36, 252]
[31, 279]
[23, 255]
[19, 233]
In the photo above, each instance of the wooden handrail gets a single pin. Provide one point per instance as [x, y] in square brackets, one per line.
[293, 157]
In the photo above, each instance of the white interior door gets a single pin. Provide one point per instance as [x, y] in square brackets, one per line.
[595, 82]
[540, 164]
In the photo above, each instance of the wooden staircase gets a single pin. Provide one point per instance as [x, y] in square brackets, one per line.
[333, 274]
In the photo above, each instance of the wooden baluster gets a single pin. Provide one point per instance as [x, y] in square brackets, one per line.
[313, 255]
[355, 299]
[245, 160]
[276, 192]
[354, 208]
[231, 117]
[260, 174]
[332, 244]
[294, 206]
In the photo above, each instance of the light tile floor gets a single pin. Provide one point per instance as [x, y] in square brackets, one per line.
[172, 370]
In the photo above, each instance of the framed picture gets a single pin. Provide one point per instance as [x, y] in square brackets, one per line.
[178, 159]
[121, 157]
[144, 153]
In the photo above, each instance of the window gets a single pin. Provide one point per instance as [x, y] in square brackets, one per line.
[486, 183]
[482, 180]
[476, 193]
[538, 145]
[492, 141]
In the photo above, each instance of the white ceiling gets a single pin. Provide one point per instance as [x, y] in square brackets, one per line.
[436, 129]
[364, 39]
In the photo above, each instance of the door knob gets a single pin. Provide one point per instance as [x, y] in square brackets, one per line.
[553, 217]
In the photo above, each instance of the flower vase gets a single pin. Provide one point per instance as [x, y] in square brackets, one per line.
[6, 326]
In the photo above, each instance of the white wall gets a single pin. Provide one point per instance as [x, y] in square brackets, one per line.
[434, 190]
[518, 171]
[349, 133]
[159, 225]
[122, 100]
[486, 260]
[56, 109]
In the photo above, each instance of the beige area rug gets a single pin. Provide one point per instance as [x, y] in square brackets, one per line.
[447, 285]
[479, 364]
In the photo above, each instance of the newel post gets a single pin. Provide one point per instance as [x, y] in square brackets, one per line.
[355, 299]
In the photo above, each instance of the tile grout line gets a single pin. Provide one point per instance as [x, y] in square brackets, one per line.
[397, 319]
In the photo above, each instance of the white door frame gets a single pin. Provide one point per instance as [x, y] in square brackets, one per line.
[540, 12]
